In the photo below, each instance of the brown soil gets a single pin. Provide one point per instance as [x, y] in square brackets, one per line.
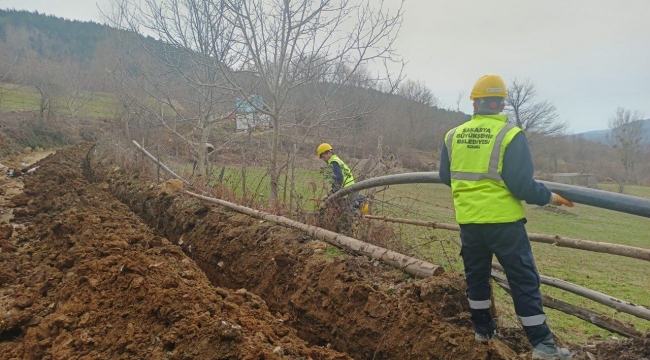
[637, 349]
[88, 279]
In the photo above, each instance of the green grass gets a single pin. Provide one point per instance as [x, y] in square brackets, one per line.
[634, 190]
[621, 277]
[18, 98]
[27, 98]
[333, 251]
[308, 184]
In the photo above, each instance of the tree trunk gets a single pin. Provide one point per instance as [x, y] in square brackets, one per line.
[292, 192]
[607, 300]
[203, 151]
[243, 175]
[273, 170]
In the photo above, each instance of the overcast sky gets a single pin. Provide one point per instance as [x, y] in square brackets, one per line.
[586, 56]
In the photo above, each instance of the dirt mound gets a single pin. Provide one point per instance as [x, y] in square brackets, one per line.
[352, 304]
[632, 349]
[88, 279]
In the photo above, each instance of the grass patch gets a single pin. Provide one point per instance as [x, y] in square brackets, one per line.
[634, 190]
[308, 185]
[333, 251]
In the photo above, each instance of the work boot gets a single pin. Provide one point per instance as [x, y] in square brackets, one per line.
[483, 338]
[549, 350]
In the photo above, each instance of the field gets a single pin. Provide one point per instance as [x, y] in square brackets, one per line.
[26, 98]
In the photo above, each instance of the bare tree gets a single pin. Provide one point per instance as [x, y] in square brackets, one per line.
[40, 75]
[273, 48]
[459, 98]
[77, 92]
[626, 136]
[177, 81]
[283, 41]
[417, 91]
[535, 118]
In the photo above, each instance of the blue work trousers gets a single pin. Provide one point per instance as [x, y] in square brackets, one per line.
[510, 243]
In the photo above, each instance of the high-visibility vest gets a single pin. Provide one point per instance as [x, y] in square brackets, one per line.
[348, 178]
[476, 151]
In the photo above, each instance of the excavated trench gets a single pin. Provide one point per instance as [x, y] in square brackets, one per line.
[351, 304]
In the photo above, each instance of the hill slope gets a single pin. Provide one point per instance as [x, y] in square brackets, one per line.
[601, 135]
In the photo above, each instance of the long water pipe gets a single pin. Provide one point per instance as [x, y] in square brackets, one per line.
[598, 198]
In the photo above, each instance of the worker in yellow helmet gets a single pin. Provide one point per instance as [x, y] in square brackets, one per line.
[488, 165]
[342, 176]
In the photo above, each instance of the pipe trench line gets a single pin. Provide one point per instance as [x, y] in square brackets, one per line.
[603, 199]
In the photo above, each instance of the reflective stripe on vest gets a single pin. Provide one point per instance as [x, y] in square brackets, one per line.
[493, 169]
[348, 178]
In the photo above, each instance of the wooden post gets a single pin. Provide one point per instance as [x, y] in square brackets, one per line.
[593, 317]
[405, 263]
[607, 300]
[243, 175]
[292, 192]
[560, 241]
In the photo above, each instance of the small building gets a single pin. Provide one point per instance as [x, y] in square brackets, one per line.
[247, 115]
[578, 179]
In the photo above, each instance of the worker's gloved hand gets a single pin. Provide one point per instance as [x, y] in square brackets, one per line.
[558, 200]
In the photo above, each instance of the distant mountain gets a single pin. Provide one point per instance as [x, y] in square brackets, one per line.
[51, 37]
[601, 135]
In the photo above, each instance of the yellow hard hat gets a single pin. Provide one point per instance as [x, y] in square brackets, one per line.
[322, 148]
[489, 86]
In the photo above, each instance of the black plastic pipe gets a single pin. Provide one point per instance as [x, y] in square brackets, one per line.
[603, 199]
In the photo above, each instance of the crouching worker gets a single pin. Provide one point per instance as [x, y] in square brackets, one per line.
[341, 177]
[341, 174]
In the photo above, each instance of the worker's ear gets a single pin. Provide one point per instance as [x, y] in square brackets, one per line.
[503, 106]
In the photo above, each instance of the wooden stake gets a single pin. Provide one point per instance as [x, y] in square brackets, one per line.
[593, 317]
[607, 300]
[587, 245]
[405, 263]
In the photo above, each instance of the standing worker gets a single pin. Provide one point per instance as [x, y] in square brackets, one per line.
[488, 164]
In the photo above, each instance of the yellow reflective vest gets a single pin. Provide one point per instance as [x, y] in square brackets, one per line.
[348, 178]
[476, 151]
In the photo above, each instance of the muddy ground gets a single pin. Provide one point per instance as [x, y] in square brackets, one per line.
[86, 277]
